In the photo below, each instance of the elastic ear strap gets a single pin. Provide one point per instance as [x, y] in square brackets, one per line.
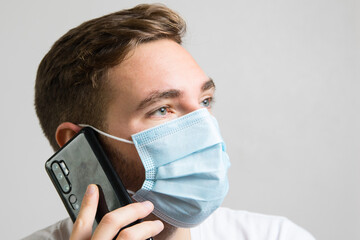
[130, 192]
[106, 134]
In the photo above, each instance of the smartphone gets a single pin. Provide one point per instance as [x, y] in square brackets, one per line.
[80, 162]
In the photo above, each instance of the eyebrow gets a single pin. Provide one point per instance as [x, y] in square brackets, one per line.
[209, 84]
[156, 96]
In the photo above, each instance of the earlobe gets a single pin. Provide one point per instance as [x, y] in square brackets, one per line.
[65, 131]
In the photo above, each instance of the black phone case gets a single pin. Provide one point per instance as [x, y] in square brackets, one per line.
[81, 162]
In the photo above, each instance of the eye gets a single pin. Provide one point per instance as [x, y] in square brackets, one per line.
[160, 112]
[207, 102]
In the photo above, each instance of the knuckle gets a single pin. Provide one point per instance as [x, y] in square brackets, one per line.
[108, 218]
[127, 234]
[81, 228]
[82, 225]
[79, 223]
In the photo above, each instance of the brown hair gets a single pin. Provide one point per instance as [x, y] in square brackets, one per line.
[70, 82]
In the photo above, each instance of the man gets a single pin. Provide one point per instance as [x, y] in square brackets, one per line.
[125, 73]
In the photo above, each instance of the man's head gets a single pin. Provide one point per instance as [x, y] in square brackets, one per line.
[71, 83]
[121, 73]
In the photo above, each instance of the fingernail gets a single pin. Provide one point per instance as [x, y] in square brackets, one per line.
[148, 204]
[90, 190]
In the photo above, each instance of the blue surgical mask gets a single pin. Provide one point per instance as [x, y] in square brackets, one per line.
[185, 168]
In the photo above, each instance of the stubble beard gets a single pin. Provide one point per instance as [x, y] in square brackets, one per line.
[132, 175]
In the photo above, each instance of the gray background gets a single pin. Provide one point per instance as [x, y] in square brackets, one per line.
[287, 75]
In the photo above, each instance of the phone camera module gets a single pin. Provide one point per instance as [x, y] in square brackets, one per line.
[61, 178]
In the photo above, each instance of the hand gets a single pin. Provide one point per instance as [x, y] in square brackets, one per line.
[113, 221]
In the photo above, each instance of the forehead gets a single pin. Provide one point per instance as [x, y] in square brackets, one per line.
[156, 65]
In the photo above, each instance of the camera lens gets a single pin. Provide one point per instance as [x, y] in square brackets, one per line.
[62, 180]
[55, 167]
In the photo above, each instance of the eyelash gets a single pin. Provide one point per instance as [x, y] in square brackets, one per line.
[210, 101]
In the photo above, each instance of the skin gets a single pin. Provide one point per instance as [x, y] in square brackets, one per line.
[158, 82]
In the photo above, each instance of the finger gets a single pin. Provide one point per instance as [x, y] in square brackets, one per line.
[113, 221]
[141, 231]
[83, 225]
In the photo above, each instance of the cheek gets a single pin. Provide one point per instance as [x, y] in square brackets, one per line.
[146, 123]
[135, 172]
[138, 125]
[127, 164]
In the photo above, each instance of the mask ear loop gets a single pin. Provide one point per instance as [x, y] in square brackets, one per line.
[106, 134]
[131, 193]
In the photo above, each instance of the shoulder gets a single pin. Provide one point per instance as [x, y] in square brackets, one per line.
[58, 231]
[233, 224]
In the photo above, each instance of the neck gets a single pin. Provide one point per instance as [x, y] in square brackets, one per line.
[170, 232]
[174, 234]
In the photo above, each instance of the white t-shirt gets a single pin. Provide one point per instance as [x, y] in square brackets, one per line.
[224, 223]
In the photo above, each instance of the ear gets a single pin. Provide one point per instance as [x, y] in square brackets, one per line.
[65, 131]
